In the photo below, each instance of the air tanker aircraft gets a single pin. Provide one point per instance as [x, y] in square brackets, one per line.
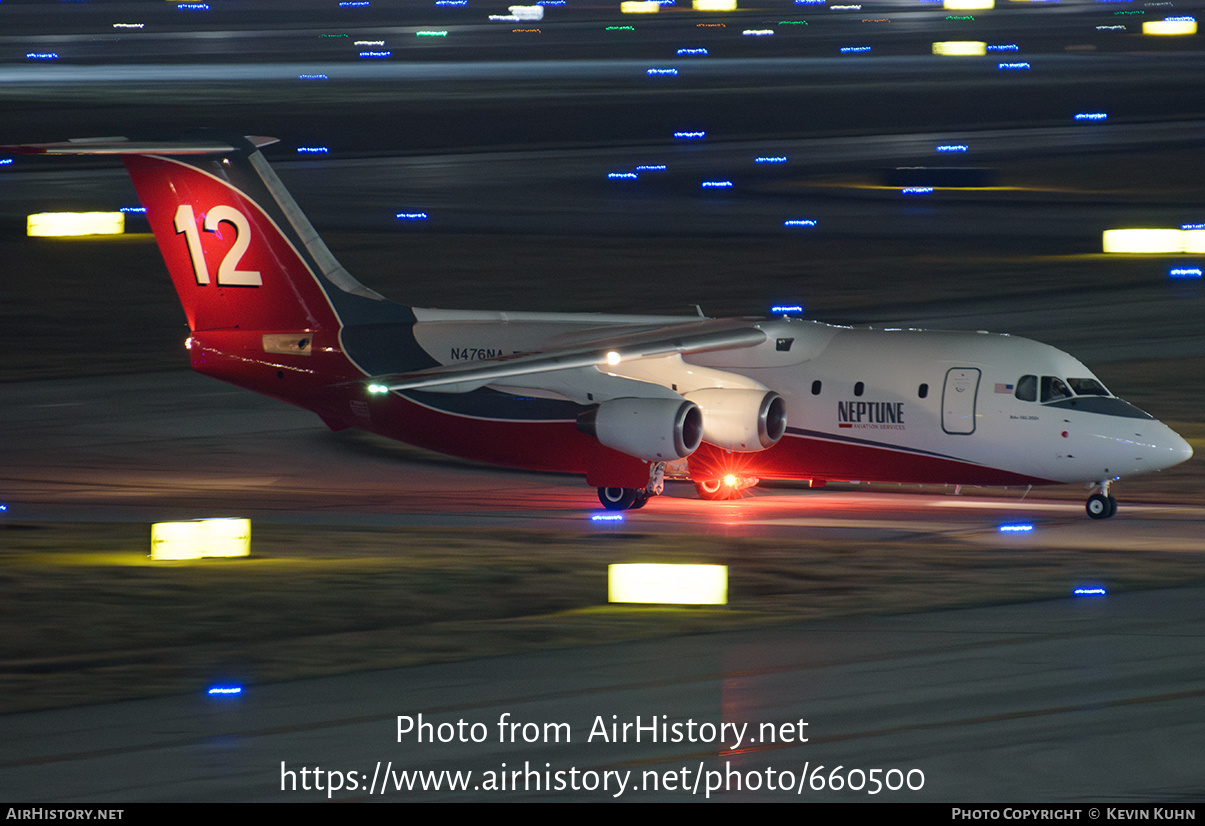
[629, 401]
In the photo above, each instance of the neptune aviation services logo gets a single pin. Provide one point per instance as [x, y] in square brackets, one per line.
[871, 415]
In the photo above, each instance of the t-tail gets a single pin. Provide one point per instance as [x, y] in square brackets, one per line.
[268, 306]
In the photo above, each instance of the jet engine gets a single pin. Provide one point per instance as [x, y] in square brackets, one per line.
[741, 420]
[656, 430]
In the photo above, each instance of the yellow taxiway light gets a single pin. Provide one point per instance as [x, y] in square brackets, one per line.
[1154, 241]
[960, 48]
[639, 7]
[1169, 27]
[713, 5]
[969, 5]
[197, 538]
[69, 224]
[668, 584]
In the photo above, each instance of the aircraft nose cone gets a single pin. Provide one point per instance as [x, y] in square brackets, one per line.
[1171, 450]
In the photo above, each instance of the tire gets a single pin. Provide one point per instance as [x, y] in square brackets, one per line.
[640, 501]
[714, 490]
[617, 499]
[1100, 506]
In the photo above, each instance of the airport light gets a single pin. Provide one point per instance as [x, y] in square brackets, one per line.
[713, 5]
[968, 5]
[1154, 241]
[639, 7]
[1089, 592]
[1170, 27]
[960, 48]
[199, 538]
[74, 224]
[663, 584]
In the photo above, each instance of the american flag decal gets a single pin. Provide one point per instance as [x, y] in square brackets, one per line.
[1004, 388]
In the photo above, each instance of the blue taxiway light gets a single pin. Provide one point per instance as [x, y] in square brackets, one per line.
[671, 72]
[952, 147]
[852, 49]
[607, 517]
[1184, 272]
[917, 190]
[799, 222]
[1018, 527]
[787, 309]
[717, 184]
[690, 136]
[622, 176]
[1089, 592]
[224, 690]
[312, 77]
[139, 210]
[692, 51]
[1016, 67]
[411, 216]
[313, 150]
[770, 159]
[660, 167]
[1092, 116]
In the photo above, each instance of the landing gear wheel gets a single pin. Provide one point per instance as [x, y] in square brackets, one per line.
[640, 501]
[714, 490]
[1100, 506]
[618, 499]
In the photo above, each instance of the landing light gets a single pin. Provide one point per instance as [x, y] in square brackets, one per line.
[639, 7]
[174, 541]
[378, 389]
[713, 5]
[967, 5]
[613, 358]
[73, 224]
[668, 584]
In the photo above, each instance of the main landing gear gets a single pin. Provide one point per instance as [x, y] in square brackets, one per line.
[1102, 505]
[631, 499]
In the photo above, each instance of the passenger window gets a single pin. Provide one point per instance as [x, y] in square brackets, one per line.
[1054, 389]
[1027, 389]
[922, 391]
[816, 387]
[858, 388]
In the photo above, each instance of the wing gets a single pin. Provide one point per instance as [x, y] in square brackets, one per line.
[613, 355]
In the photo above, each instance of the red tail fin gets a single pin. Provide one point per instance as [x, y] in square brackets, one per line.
[232, 264]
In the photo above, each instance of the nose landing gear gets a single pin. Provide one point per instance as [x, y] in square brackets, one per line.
[1101, 505]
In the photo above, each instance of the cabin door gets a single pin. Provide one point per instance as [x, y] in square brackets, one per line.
[958, 400]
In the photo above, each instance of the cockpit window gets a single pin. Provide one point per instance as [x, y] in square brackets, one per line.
[1027, 389]
[1087, 387]
[1054, 389]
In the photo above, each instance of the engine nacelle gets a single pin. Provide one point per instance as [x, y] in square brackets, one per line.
[741, 420]
[656, 430]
